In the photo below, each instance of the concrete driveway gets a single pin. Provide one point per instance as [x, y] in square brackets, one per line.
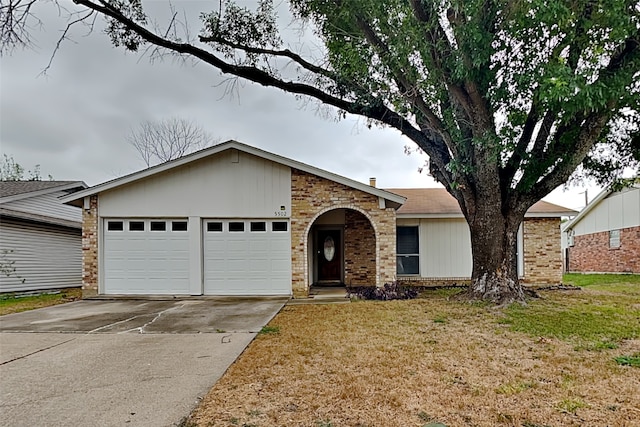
[121, 362]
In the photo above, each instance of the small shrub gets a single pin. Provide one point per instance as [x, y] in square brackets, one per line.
[390, 291]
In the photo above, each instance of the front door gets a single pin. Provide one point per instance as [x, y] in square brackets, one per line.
[329, 255]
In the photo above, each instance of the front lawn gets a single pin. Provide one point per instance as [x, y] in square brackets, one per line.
[569, 358]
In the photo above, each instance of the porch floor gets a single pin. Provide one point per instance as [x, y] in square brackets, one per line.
[323, 295]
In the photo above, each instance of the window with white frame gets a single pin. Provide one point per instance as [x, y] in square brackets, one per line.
[614, 238]
[408, 251]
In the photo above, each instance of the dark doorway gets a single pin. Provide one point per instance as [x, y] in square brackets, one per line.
[329, 255]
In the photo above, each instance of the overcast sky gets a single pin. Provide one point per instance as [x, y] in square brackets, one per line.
[73, 121]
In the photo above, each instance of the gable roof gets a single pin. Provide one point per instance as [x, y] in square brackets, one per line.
[585, 211]
[75, 198]
[438, 203]
[16, 190]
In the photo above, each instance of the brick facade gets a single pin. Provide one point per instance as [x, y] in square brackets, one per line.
[312, 196]
[542, 251]
[90, 248]
[359, 250]
[591, 253]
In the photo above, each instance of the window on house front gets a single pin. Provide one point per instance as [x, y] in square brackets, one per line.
[279, 226]
[258, 226]
[614, 238]
[136, 225]
[408, 251]
[236, 227]
[179, 225]
[214, 227]
[115, 226]
[158, 226]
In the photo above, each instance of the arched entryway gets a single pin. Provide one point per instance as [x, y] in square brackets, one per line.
[342, 246]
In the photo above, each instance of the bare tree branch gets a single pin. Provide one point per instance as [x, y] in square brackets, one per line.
[168, 139]
[15, 24]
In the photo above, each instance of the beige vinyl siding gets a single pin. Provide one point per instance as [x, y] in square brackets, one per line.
[618, 210]
[230, 184]
[446, 251]
[46, 205]
[445, 247]
[44, 257]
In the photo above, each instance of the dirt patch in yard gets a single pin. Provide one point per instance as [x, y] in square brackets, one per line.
[409, 363]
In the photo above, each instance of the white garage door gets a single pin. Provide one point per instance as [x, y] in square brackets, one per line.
[247, 257]
[146, 256]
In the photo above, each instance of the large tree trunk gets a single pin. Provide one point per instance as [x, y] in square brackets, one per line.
[494, 243]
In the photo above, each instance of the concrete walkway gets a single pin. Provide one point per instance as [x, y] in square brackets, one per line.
[120, 363]
[323, 295]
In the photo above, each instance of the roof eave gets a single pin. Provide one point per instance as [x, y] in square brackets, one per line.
[459, 215]
[74, 184]
[429, 215]
[572, 222]
[548, 214]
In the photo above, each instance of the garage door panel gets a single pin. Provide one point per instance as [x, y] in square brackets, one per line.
[252, 263]
[260, 266]
[259, 246]
[145, 262]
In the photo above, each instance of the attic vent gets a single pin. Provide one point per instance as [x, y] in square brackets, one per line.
[235, 156]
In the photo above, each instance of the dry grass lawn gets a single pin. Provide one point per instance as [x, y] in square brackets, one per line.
[412, 363]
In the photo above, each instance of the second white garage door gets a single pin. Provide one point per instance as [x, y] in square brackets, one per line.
[247, 257]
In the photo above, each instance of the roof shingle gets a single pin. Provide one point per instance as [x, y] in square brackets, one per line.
[437, 201]
[13, 188]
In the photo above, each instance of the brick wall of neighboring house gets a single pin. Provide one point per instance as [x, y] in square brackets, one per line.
[359, 250]
[542, 251]
[90, 249]
[591, 253]
[311, 196]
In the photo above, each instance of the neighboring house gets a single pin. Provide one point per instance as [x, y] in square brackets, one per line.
[236, 220]
[434, 242]
[40, 238]
[605, 236]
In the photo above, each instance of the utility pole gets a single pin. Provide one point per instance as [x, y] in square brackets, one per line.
[586, 197]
